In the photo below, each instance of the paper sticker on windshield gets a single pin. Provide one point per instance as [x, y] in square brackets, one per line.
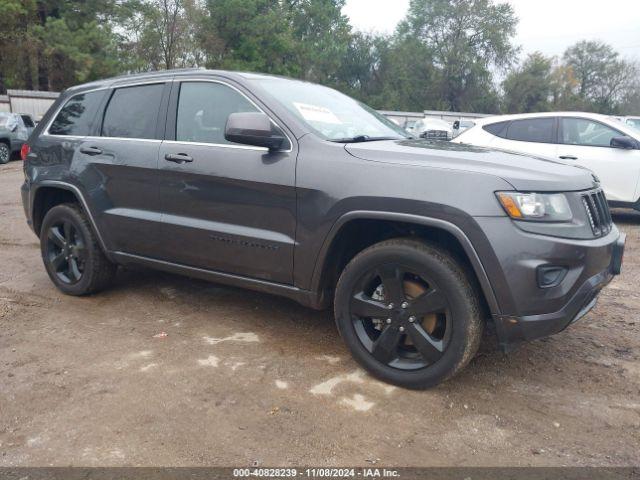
[314, 113]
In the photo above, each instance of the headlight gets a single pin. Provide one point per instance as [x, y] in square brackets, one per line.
[543, 207]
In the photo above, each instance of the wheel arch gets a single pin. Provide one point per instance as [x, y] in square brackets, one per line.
[379, 226]
[48, 194]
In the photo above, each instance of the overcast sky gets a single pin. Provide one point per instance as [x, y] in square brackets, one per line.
[549, 26]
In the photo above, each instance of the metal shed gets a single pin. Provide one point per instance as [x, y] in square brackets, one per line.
[34, 103]
[5, 106]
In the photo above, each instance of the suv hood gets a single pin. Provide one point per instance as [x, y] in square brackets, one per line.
[523, 172]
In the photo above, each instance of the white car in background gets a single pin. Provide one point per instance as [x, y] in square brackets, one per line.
[462, 125]
[432, 129]
[604, 145]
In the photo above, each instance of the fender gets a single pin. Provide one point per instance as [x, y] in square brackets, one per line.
[85, 206]
[468, 247]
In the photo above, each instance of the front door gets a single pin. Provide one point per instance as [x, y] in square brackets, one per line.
[226, 207]
[587, 143]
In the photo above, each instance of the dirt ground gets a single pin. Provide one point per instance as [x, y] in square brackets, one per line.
[246, 379]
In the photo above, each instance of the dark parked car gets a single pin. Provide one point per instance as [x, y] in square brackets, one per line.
[14, 130]
[292, 188]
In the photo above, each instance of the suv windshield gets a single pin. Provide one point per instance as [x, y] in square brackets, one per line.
[331, 114]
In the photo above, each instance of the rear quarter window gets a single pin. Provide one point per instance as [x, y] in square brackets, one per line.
[498, 129]
[536, 130]
[77, 116]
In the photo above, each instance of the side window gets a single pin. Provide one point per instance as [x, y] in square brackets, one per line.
[77, 115]
[498, 129]
[203, 109]
[580, 131]
[538, 130]
[132, 112]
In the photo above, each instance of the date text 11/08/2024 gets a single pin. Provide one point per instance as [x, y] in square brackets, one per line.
[316, 473]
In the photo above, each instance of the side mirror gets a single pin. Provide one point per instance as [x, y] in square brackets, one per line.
[253, 128]
[456, 125]
[626, 143]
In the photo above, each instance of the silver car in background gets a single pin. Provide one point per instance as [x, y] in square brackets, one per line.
[432, 129]
[15, 129]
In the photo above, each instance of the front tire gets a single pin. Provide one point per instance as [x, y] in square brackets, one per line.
[71, 254]
[409, 313]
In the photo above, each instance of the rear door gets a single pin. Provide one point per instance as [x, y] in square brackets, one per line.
[123, 159]
[535, 136]
[226, 207]
[587, 142]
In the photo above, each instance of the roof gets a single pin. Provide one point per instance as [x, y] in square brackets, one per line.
[522, 116]
[108, 82]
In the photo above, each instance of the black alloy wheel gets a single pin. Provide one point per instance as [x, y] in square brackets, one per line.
[71, 251]
[401, 317]
[409, 312]
[66, 251]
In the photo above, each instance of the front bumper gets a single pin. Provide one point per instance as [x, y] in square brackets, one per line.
[512, 330]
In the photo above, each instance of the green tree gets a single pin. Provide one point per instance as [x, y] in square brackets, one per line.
[160, 34]
[17, 18]
[464, 40]
[529, 87]
[602, 76]
[248, 35]
[321, 35]
[406, 79]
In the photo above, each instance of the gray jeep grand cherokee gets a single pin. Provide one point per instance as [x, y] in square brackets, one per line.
[292, 188]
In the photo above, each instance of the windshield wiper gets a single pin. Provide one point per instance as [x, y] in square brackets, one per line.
[364, 138]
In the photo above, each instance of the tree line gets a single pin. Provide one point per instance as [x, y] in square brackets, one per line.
[445, 55]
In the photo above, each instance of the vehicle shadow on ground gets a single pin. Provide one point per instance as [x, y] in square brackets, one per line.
[284, 321]
[291, 330]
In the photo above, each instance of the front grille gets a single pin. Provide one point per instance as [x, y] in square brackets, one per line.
[435, 135]
[598, 212]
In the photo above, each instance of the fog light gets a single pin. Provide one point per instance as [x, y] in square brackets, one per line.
[550, 276]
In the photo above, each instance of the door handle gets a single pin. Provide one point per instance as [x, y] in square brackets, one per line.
[178, 158]
[90, 150]
[568, 157]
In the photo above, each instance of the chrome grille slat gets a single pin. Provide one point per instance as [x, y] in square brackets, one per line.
[598, 212]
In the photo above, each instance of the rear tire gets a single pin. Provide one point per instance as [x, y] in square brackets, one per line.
[71, 253]
[433, 327]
